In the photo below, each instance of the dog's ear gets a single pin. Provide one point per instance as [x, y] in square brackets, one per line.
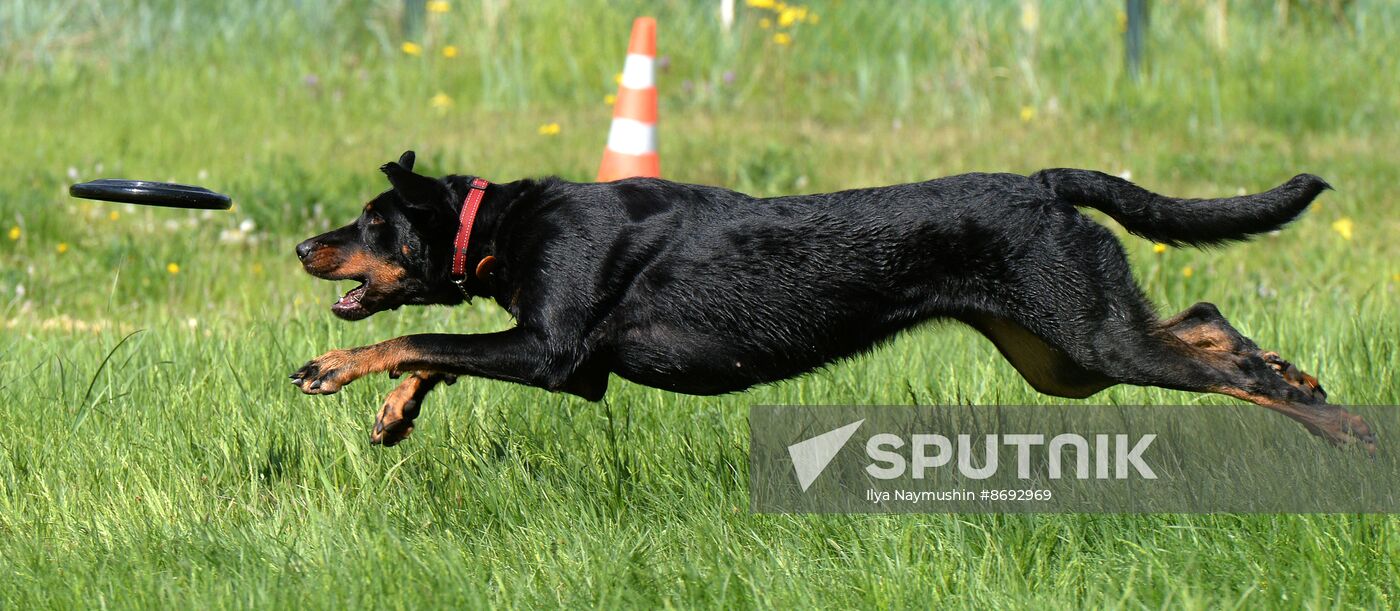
[415, 189]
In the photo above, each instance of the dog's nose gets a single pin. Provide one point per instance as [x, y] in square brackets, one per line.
[304, 249]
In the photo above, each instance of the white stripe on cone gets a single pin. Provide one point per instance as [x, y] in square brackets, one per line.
[631, 137]
[638, 72]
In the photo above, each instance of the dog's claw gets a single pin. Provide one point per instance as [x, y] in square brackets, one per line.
[326, 374]
[1294, 376]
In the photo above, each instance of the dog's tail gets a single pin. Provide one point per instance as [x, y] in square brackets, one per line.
[1176, 221]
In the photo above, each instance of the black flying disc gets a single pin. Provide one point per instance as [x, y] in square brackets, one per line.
[149, 193]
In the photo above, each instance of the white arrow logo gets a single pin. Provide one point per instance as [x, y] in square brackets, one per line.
[810, 457]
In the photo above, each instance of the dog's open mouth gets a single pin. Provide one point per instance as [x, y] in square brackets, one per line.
[349, 306]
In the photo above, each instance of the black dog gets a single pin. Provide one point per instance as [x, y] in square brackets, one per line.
[703, 290]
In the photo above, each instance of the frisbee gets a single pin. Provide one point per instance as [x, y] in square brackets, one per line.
[146, 193]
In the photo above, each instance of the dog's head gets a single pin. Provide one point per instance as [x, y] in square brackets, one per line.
[399, 249]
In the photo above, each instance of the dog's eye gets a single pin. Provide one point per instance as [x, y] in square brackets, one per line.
[375, 219]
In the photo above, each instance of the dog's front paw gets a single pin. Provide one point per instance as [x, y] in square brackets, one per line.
[326, 374]
[394, 422]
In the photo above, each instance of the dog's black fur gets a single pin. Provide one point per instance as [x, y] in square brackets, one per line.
[703, 290]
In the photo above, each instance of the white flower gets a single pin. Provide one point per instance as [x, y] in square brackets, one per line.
[19, 290]
[72, 173]
[247, 226]
[1126, 174]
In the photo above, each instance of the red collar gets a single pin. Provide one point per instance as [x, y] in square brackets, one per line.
[464, 231]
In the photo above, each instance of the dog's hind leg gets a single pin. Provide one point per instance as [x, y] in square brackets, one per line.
[394, 422]
[1203, 326]
[1198, 350]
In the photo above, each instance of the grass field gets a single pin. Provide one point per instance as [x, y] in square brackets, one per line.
[153, 454]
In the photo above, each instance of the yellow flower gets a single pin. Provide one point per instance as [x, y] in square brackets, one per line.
[439, 6]
[788, 17]
[617, 78]
[760, 3]
[1030, 16]
[1027, 113]
[782, 38]
[62, 247]
[412, 48]
[112, 216]
[549, 129]
[610, 99]
[449, 51]
[1159, 248]
[1122, 21]
[1343, 227]
[1187, 272]
[172, 267]
[1395, 277]
[765, 23]
[257, 268]
[14, 233]
[441, 101]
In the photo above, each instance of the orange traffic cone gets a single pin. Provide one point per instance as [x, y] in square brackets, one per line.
[631, 147]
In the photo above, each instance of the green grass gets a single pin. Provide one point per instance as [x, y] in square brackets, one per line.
[179, 469]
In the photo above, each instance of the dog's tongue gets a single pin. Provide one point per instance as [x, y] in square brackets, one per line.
[349, 306]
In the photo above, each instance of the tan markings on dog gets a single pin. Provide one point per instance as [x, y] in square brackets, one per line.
[361, 264]
[404, 250]
[1329, 422]
[387, 356]
[1046, 369]
[1206, 338]
[1291, 373]
[337, 368]
[322, 261]
[394, 422]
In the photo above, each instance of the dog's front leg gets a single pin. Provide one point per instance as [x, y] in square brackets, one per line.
[327, 373]
[517, 355]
